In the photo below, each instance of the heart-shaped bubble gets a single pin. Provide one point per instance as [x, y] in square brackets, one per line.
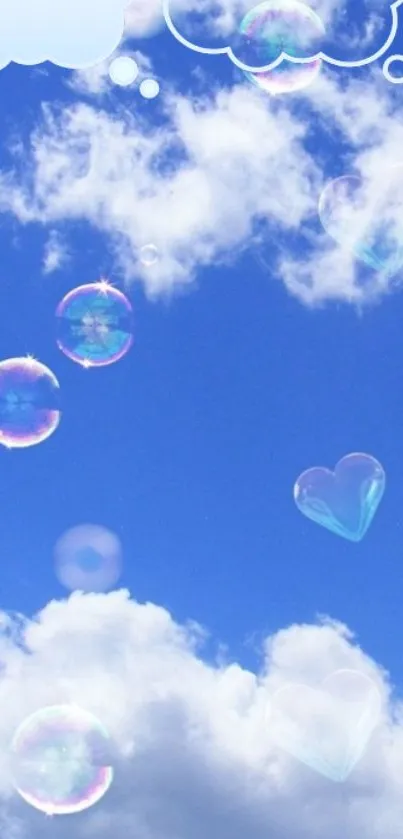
[328, 727]
[366, 217]
[344, 501]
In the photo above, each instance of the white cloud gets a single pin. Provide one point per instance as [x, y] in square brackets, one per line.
[128, 180]
[56, 253]
[143, 19]
[192, 737]
[242, 158]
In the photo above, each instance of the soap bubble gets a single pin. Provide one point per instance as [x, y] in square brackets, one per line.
[88, 558]
[366, 217]
[149, 88]
[346, 500]
[327, 727]
[148, 255]
[29, 402]
[95, 324]
[286, 77]
[278, 27]
[61, 758]
[123, 70]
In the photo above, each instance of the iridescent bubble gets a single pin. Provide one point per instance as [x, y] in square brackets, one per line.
[95, 324]
[148, 255]
[61, 759]
[123, 70]
[344, 501]
[366, 217]
[149, 88]
[286, 77]
[29, 402]
[327, 727]
[88, 558]
[277, 27]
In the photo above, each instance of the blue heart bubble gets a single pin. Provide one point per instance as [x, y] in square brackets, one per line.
[366, 218]
[344, 501]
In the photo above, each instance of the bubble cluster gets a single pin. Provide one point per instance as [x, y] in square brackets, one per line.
[277, 28]
[61, 758]
[95, 325]
[327, 727]
[29, 402]
[367, 218]
[344, 501]
[88, 558]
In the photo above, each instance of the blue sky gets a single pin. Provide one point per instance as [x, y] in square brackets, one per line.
[261, 349]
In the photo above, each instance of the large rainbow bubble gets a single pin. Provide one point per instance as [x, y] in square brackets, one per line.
[286, 77]
[94, 324]
[61, 757]
[29, 402]
[279, 27]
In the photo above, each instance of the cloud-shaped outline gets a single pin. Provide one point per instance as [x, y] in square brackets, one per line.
[231, 55]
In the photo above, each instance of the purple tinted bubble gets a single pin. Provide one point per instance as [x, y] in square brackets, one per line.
[344, 501]
[29, 402]
[54, 766]
[286, 77]
[88, 558]
[94, 325]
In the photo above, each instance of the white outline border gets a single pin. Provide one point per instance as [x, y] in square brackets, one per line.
[336, 62]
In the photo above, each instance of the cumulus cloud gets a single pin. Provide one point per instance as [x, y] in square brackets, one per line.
[192, 737]
[131, 181]
[122, 175]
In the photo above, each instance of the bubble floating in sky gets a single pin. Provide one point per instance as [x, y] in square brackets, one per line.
[327, 727]
[277, 27]
[29, 402]
[123, 70]
[367, 218]
[95, 324]
[88, 558]
[346, 500]
[61, 757]
[149, 88]
[286, 77]
[148, 255]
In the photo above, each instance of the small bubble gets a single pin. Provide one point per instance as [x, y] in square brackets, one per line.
[149, 88]
[123, 70]
[148, 255]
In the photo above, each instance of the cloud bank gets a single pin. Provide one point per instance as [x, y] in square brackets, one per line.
[194, 752]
